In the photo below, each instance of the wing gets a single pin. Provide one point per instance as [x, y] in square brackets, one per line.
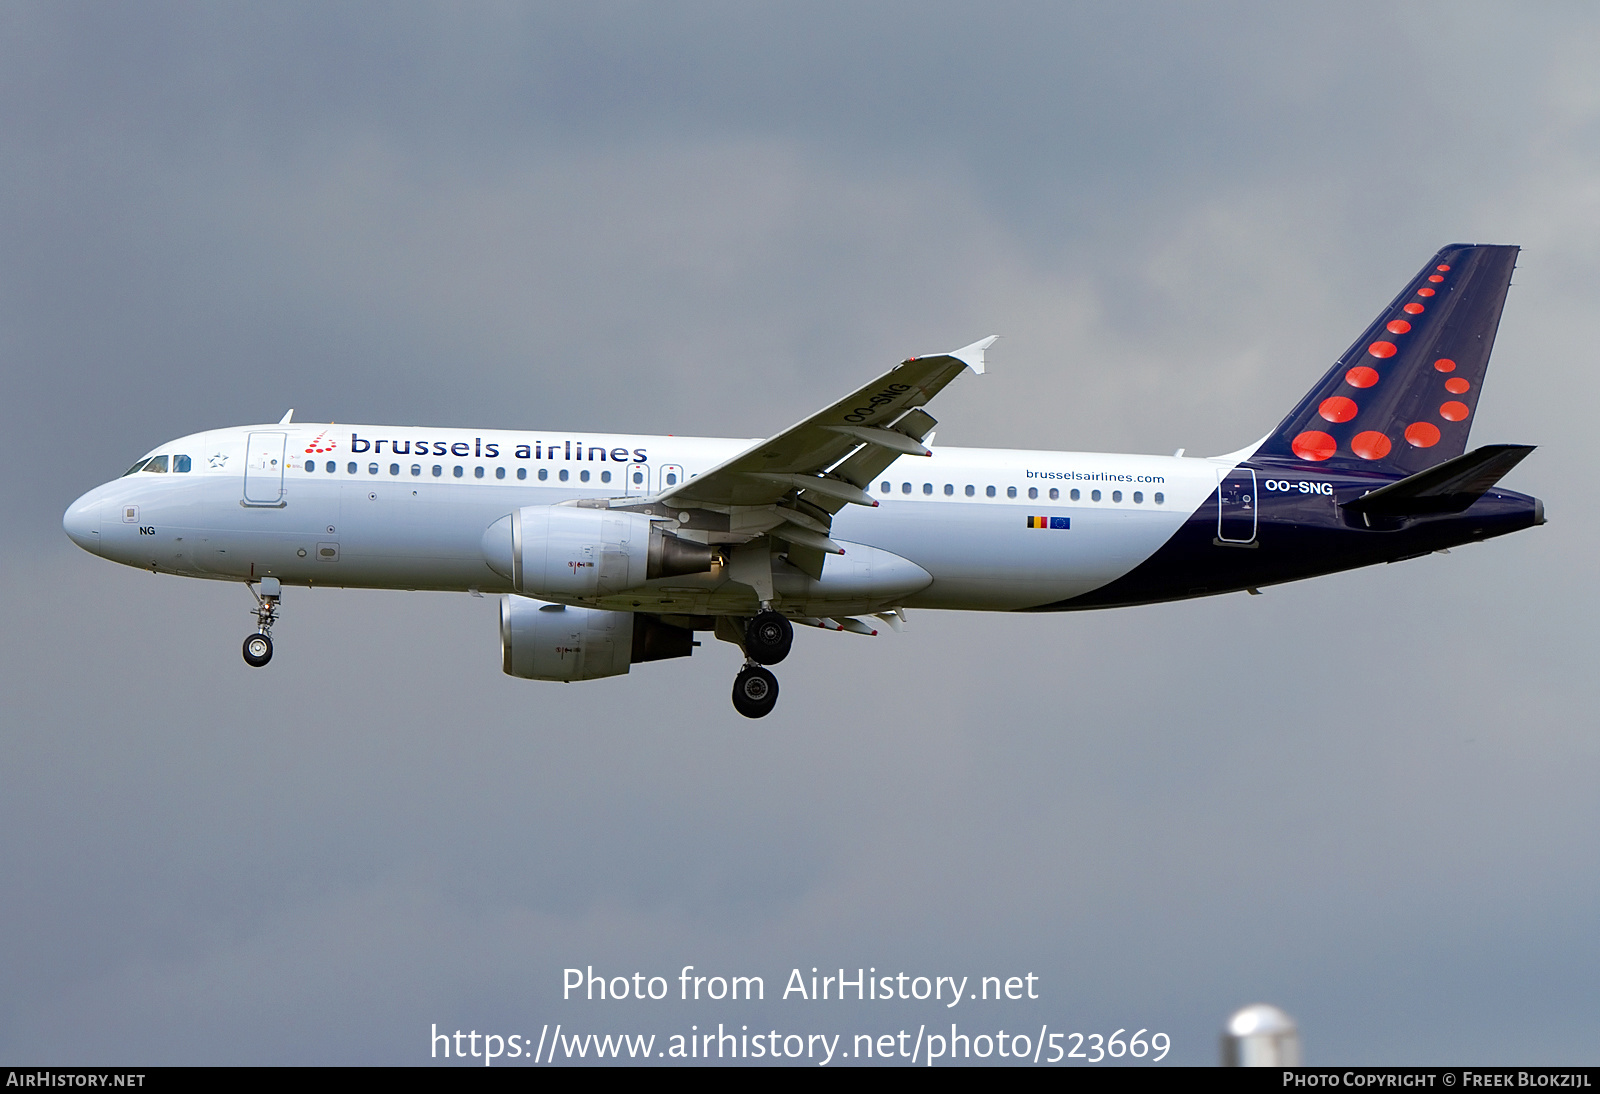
[816, 460]
[789, 486]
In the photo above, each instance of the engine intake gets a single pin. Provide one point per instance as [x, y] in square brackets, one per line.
[568, 553]
[540, 641]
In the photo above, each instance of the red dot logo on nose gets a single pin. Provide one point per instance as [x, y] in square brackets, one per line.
[1453, 411]
[1370, 445]
[1398, 326]
[1422, 434]
[1382, 349]
[1337, 408]
[1314, 445]
[1413, 308]
[1444, 364]
[1361, 376]
[1457, 386]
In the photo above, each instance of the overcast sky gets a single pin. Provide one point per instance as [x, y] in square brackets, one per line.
[1369, 798]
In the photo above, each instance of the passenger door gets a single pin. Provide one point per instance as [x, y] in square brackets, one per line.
[1236, 506]
[263, 468]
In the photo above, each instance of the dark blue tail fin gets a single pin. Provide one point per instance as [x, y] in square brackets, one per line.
[1401, 399]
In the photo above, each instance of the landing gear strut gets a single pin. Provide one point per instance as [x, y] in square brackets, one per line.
[755, 691]
[258, 646]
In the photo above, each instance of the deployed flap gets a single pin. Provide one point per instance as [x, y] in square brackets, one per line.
[1451, 487]
[776, 468]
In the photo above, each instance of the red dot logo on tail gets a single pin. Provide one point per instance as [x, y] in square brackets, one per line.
[1444, 364]
[1314, 445]
[1424, 291]
[1361, 376]
[1454, 411]
[1382, 349]
[1337, 408]
[1457, 386]
[1422, 434]
[1370, 445]
[1398, 326]
[1413, 308]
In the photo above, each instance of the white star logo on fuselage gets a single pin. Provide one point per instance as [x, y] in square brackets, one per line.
[219, 459]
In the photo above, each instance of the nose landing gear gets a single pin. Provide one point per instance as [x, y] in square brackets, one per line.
[755, 691]
[258, 646]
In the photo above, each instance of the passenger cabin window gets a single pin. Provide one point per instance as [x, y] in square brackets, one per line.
[927, 488]
[499, 472]
[1159, 497]
[416, 470]
[1094, 495]
[1075, 494]
[181, 464]
[949, 489]
[972, 491]
[905, 488]
[1116, 495]
[1138, 498]
[605, 476]
[883, 488]
[457, 471]
[394, 469]
[1011, 491]
[372, 469]
[988, 492]
[672, 478]
[158, 464]
[1033, 492]
[583, 476]
[522, 472]
[351, 467]
[1055, 494]
[437, 471]
[544, 473]
[477, 472]
[563, 474]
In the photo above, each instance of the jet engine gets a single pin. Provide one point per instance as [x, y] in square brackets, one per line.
[540, 641]
[570, 553]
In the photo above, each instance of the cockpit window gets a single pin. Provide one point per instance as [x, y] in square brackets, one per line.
[134, 469]
[157, 464]
[180, 464]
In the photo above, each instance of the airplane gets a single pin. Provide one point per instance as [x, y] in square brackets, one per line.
[610, 550]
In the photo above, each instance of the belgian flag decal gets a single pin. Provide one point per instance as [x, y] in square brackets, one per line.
[1049, 522]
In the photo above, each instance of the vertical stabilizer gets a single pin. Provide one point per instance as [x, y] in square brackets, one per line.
[1401, 399]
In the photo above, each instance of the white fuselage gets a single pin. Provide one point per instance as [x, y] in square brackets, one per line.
[407, 508]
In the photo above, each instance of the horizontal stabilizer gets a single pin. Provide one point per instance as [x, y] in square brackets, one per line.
[1451, 487]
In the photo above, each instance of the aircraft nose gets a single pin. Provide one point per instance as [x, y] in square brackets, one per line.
[82, 524]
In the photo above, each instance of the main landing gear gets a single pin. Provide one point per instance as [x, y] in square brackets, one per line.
[258, 646]
[767, 639]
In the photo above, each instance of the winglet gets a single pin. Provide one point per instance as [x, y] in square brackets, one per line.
[287, 418]
[972, 356]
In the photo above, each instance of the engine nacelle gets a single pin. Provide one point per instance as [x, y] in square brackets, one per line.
[540, 641]
[570, 553]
